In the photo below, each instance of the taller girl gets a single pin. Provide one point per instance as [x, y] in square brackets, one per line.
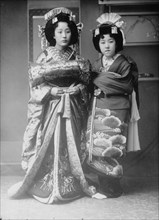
[52, 153]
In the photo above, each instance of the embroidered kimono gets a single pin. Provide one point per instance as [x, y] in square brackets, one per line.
[108, 122]
[53, 147]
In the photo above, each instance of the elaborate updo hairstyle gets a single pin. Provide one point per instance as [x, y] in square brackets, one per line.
[51, 26]
[113, 31]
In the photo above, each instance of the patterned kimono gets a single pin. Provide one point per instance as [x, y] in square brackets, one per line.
[108, 122]
[53, 146]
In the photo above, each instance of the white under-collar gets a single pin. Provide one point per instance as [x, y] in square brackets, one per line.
[108, 62]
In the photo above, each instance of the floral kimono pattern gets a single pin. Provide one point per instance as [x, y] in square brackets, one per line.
[53, 143]
[108, 122]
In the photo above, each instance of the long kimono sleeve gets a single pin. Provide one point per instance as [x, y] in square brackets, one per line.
[39, 93]
[135, 75]
[113, 83]
[32, 134]
[135, 82]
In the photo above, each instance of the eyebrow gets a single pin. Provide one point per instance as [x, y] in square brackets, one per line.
[63, 29]
[102, 39]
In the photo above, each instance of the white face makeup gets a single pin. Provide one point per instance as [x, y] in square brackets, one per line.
[107, 46]
[62, 35]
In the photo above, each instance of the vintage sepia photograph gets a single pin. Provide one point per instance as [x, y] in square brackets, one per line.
[79, 109]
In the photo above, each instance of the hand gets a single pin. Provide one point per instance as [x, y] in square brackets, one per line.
[54, 91]
[97, 92]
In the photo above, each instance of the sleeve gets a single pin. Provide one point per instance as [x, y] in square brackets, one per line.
[135, 80]
[93, 74]
[135, 74]
[40, 93]
[85, 70]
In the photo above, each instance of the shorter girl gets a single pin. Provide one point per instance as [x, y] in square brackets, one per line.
[115, 82]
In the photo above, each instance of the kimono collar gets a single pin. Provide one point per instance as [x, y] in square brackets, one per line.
[61, 55]
[108, 62]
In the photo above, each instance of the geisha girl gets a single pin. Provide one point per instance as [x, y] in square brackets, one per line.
[57, 115]
[113, 119]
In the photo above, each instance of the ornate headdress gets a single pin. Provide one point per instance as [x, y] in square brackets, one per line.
[112, 19]
[52, 14]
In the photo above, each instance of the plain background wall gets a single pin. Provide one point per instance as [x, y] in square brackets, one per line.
[14, 76]
[89, 12]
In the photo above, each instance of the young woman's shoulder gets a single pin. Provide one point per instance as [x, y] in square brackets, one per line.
[127, 59]
[42, 57]
[123, 63]
[50, 53]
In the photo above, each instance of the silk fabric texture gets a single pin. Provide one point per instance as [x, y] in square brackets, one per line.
[53, 145]
[108, 124]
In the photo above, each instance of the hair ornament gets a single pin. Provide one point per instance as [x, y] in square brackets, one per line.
[72, 17]
[44, 42]
[112, 19]
[54, 20]
[114, 30]
[52, 15]
[54, 12]
[79, 27]
[109, 18]
[119, 24]
[96, 32]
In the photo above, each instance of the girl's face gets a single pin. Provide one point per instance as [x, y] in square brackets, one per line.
[107, 46]
[62, 35]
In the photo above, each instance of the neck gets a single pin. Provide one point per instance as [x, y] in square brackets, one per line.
[111, 58]
[60, 48]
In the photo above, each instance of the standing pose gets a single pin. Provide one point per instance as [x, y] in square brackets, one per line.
[114, 107]
[57, 114]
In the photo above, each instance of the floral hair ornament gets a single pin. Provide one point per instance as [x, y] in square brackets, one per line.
[112, 19]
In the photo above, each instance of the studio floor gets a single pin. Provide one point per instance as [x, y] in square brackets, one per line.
[139, 202]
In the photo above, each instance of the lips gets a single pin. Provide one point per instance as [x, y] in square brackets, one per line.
[64, 41]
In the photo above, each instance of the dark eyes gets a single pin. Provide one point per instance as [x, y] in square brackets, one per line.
[110, 41]
[67, 31]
